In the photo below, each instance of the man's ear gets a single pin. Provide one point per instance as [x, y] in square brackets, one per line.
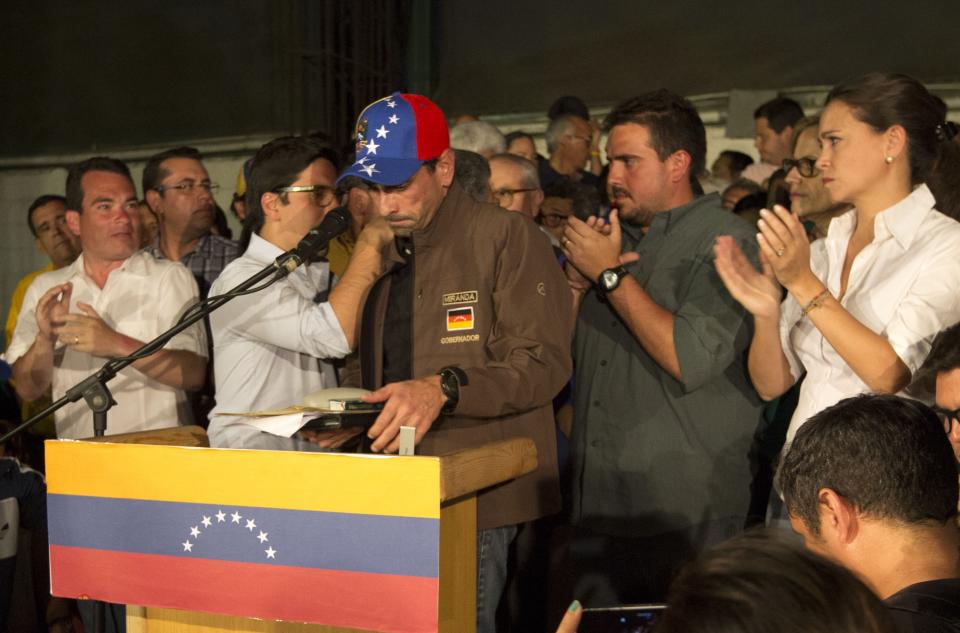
[838, 517]
[270, 203]
[73, 221]
[446, 165]
[678, 166]
[153, 201]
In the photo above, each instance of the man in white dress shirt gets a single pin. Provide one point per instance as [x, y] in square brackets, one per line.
[106, 304]
[272, 348]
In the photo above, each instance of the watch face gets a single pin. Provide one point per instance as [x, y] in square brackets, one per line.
[609, 279]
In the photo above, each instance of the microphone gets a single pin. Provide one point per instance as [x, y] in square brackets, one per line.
[333, 224]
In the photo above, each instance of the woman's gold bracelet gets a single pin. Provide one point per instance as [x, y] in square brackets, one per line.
[815, 303]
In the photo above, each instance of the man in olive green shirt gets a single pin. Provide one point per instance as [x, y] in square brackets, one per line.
[664, 408]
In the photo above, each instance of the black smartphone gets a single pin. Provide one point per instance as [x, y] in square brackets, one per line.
[638, 618]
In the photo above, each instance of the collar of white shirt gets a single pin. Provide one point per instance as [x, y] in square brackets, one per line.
[901, 221]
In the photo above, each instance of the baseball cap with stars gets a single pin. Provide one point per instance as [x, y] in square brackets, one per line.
[395, 136]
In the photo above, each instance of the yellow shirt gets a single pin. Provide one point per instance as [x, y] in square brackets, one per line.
[339, 253]
[28, 409]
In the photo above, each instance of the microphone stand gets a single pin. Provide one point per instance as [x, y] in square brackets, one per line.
[96, 394]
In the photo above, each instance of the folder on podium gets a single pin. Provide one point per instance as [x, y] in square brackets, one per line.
[209, 540]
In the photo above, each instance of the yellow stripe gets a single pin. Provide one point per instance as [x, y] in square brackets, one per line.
[327, 482]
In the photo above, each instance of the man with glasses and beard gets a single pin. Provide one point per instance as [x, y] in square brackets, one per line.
[177, 187]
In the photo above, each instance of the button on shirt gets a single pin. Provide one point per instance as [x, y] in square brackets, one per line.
[142, 299]
[651, 454]
[267, 346]
[905, 286]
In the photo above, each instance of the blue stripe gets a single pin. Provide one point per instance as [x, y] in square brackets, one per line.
[406, 546]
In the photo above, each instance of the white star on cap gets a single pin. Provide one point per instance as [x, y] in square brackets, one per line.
[194, 531]
[221, 516]
[251, 524]
[187, 546]
[206, 522]
[394, 119]
[382, 132]
[391, 104]
[362, 160]
[270, 552]
[370, 169]
[372, 147]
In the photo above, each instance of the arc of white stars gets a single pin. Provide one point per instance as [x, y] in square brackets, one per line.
[206, 522]
[382, 131]
[221, 516]
[236, 517]
[270, 552]
[263, 536]
[394, 119]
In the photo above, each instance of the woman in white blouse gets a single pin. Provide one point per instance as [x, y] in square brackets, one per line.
[864, 303]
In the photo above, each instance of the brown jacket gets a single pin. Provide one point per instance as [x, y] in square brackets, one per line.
[490, 299]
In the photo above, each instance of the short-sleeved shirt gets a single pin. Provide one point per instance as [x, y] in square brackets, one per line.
[142, 298]
[904, 285]
[652, 454]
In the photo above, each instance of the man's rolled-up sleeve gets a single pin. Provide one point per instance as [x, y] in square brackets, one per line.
[710, 327]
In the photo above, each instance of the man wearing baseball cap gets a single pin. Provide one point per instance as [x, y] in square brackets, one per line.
[466, 335]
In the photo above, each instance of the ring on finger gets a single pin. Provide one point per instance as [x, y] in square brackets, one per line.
[76, 340]
[780, 252]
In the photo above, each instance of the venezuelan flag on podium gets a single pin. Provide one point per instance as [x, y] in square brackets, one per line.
[343, 540]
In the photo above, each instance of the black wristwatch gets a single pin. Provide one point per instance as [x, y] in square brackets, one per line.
[610, 278]
[450, 379]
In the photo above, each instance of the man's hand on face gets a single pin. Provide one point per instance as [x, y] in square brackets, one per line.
[376, 232]
[415, 403]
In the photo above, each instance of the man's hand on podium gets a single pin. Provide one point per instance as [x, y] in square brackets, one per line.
[415, 403]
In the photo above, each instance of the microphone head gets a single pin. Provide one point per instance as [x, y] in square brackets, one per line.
[335, 218]
[335, 222]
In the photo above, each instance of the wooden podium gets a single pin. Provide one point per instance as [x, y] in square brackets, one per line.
[459, 476]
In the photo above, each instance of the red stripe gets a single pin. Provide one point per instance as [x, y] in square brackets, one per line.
[380, 602]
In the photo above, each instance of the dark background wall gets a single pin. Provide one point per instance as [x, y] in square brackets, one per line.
[99, 75]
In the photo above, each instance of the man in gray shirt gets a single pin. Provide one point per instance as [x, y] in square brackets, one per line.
[664, 408]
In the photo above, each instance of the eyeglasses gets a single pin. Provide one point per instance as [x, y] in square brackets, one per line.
[505, 196]
[553, 220]
[947, 416]
[807, 167]
[322, 194]
[188, 187]
[585, 139]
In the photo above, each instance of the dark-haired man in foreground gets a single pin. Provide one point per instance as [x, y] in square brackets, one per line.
[871, 483]
[664, 408]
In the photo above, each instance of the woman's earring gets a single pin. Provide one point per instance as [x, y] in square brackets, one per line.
[889, 159]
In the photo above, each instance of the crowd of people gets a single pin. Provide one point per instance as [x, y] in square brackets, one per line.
[693, 351]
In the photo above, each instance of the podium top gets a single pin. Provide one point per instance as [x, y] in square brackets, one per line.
[461, 472]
